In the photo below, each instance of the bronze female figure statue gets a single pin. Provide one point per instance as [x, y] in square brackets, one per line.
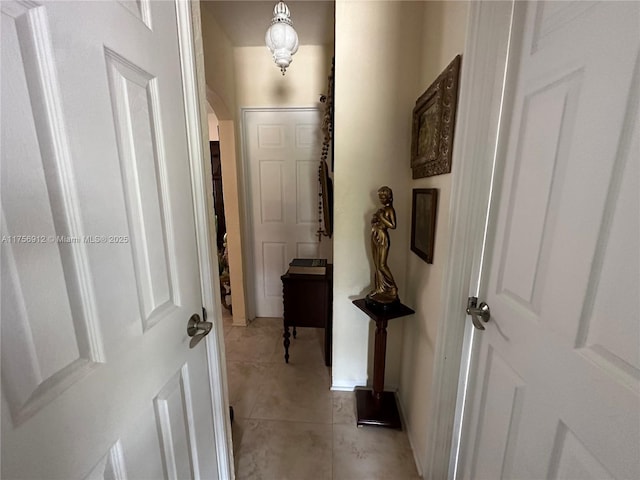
[385, 292]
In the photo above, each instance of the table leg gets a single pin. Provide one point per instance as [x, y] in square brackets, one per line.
[287, 342]
[295, 332]
[327, 344]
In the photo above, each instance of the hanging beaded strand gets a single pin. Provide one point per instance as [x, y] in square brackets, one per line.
[327, 131]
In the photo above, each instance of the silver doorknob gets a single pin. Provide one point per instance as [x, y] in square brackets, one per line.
[197, 329]
[479, 314]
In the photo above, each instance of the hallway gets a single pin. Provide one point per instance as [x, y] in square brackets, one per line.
[289, 424]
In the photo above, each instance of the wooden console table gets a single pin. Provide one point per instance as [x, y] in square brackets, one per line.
[375, 406]
[308, 303]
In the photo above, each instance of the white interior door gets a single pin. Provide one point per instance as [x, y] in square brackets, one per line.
[99, 264]
[555, 389]
[283, 154]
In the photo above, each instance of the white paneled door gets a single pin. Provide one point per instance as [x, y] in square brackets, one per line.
[283, 153]
[99, 264]
[555, 392]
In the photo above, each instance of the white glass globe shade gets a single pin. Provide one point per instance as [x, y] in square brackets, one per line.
[281, 38]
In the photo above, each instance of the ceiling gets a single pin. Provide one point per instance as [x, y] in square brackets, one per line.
[246, 21]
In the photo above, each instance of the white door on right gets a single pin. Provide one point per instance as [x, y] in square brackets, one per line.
[556, 376]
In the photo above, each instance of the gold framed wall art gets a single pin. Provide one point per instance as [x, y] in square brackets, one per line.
[433, 124]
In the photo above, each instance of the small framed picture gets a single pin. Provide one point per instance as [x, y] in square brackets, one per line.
[423, 222]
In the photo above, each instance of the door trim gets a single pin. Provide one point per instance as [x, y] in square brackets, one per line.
[194, 93]
[245, 194]
[481, 97]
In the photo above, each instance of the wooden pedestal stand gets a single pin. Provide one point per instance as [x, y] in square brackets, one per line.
[375, 406]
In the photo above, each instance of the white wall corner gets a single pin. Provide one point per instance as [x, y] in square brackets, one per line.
[410, 435]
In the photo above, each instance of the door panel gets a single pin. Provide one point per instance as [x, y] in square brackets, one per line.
[272, 202]
[504, 391]
[174, 415]
[538, 179]
[604, 333]
[111, 466]
[572, 460]
[99, 264]
[283, 149]
[556, 383]
[306, 184]
[135, 100]
[40, 357]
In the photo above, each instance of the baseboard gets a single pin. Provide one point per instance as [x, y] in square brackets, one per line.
[341, 389]
[350, 386]
[347, 386]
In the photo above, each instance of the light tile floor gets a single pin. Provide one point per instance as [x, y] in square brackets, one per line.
[289, 425]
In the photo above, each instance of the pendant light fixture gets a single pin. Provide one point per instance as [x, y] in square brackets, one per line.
[281, 38]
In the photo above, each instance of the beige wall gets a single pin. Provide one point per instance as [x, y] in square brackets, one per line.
[377, 79]
[444, 36]
[259, 82]
[218, 65]
[221, 95]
